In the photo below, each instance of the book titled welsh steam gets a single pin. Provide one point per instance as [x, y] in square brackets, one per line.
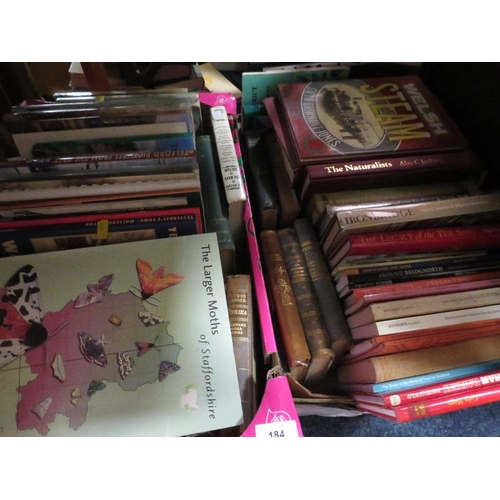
[370, 117]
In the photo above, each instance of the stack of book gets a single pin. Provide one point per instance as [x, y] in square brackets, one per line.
[374, 132]
[127, 167]
[95, 169]
[307, 311]
[410, 238]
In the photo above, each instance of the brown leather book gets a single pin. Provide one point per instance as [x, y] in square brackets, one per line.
[240, 309]
[329, 302]
[287, 314]
[310, 313]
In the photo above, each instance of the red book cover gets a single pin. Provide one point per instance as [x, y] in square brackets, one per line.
[426, 393]
[371, 117]
[388, 171]
[141, 215]
[439, 239]
[446, 404]
[410, 341]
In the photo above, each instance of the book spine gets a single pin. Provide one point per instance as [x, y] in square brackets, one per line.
[450, 212]
[419, 362]
[261, 180]
[417, 273]
[427, 322]
[82, 231]
[214, 201]
[447, 404]
[418, 286]
[167, 161]
[310, 313]
[444, 389]
[288, 201]
[442, 239]
[320, 203]
[240, 308]
[58, 124]
[329, 303]
[338, 176]
[119, 187]
[419, 381]
[431, 304]
[285, 305]
[231, 174]
[403, 342]
[441, 259]
[122, 144]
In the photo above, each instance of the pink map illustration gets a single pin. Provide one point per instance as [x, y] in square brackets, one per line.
[116, 340]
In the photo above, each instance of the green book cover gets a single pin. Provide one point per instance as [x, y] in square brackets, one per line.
[130, 339]
[256, 86]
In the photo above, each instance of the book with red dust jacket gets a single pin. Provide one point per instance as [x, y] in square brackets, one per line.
[432, 391]
[407, 241]
[371, 117]
[446, 404]
[359, 297]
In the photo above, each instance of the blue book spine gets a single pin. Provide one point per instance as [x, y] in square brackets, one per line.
[433, 378]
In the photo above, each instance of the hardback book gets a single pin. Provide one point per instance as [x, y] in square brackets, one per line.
[28, 141]
[420, 361]
[262, 185]
[409, 341]
[295, 174]
[239, 295]
[117, 350]
[115, 186]
[316, 208]
[388, 172]
[421, 381]
[22, 237]
[438, 406]
[215, 207]
[428, 323]
[389, 296]
[24, 125]
[407, 241]
[259, 85]
[381, 311]
[78, 207]
[231, 172]
[461, 211]
[290, 208]
[427, 393]
[100, 165]
[329, 302]
[122, 144]
[311, 315]
[285, 306]
[371, 117]
[419, 271]
[410, 261]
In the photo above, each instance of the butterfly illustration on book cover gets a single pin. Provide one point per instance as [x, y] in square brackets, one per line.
[21, 316]
[152, 282]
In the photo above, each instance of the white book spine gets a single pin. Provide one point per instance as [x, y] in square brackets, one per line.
[231, 172]
[460, 316]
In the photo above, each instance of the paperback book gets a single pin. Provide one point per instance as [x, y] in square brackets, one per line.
[117, 350]
[22, 237]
